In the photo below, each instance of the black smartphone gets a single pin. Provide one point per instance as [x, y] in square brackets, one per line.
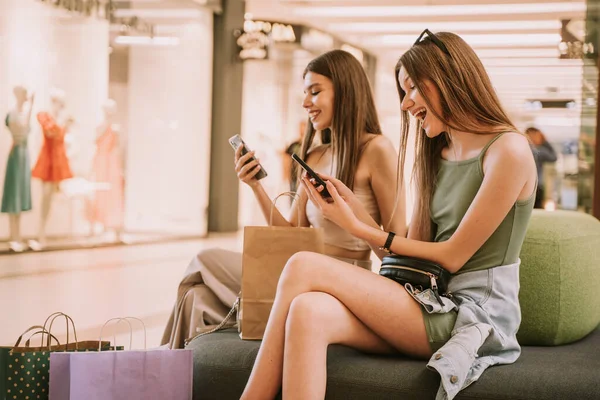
[235, 142]
[312, 174]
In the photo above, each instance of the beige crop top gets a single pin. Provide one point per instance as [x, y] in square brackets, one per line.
[336, 236]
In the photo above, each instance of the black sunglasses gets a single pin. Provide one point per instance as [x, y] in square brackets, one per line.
[435, 41]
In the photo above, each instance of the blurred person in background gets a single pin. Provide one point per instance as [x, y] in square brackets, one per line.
[543, 153]
[290, 168]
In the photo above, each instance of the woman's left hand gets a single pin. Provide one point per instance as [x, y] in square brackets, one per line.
[336, 209]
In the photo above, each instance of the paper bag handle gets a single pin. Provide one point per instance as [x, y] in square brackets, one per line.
[67, 320]
[293, 195]
[29, 330]
[126, 319]
[50, 336]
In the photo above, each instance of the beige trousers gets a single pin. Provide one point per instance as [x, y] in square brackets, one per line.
[207, 292]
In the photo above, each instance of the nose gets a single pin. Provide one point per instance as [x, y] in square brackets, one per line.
[307, 103]
[406, 103]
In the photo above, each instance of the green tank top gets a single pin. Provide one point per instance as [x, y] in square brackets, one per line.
[457, 184]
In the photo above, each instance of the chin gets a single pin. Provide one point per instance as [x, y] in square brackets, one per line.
[318, 126]
[432, 133]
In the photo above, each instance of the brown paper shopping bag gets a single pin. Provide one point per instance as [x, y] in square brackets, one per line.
[266, 251]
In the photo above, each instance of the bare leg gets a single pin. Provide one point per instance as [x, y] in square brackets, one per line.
[48, 190]
[15, 227]
[380, 304]
[315, 321]
[15, 233]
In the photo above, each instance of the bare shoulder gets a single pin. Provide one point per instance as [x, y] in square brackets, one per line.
[511, 152]
[379, 148]
[316, 153]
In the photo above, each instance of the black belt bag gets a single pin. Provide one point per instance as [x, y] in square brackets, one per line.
[421, 274]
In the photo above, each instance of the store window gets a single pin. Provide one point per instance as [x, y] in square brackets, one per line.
[105, 130]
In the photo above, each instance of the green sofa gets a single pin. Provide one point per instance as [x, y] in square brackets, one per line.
[560, 301]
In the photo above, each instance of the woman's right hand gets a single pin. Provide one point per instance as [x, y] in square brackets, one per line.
[246, 173]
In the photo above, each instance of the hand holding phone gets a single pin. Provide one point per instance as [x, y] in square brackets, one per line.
[236, 142]
[313, 175]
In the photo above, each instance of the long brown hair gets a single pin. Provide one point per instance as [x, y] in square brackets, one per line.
[469, 103]
[354, 111]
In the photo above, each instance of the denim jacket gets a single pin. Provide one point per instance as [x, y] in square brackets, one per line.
[485, 331]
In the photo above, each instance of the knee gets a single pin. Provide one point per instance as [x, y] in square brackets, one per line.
[297, 271]
[307, 317]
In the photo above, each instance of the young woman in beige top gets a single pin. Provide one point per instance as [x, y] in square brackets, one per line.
[340, 107]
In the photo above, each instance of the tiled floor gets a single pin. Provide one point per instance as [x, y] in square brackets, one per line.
[95, 285]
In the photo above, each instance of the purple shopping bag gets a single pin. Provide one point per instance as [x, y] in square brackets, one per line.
[122, 375]
[126, 375]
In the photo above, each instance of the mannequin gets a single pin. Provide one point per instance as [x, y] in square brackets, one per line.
[16, 197]
[52, 165]
[106, 207]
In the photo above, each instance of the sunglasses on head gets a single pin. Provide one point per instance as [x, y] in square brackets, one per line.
[434, 39]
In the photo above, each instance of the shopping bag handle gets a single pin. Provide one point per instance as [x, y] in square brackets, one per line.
[126, 319]
[293, 195]
[29, 330]
[235, 308]
[50, 336]
[67, 320]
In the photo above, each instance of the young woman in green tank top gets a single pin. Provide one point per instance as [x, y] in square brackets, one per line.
[475, 177]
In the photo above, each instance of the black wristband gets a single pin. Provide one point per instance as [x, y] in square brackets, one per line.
[388, 242]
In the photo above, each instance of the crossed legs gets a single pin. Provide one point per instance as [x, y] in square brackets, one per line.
[322, 301]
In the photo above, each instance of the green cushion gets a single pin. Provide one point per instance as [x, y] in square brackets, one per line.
[222, 365]
[560, 278]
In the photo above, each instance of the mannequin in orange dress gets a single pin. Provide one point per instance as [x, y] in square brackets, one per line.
[52, 165]
[106, 206]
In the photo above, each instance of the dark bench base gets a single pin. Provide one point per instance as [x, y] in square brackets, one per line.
[222, 365]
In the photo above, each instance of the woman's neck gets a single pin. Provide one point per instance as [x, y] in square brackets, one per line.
[466, 145]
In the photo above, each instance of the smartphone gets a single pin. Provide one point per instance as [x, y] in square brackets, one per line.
[235, 142]
[312, 174]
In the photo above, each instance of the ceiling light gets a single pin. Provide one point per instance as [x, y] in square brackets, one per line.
[462, 26]
[147, 40]
[445, 10]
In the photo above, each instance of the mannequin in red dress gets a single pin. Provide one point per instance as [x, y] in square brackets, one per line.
[52, 165]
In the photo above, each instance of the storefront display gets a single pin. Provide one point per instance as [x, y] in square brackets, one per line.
[80, 169]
